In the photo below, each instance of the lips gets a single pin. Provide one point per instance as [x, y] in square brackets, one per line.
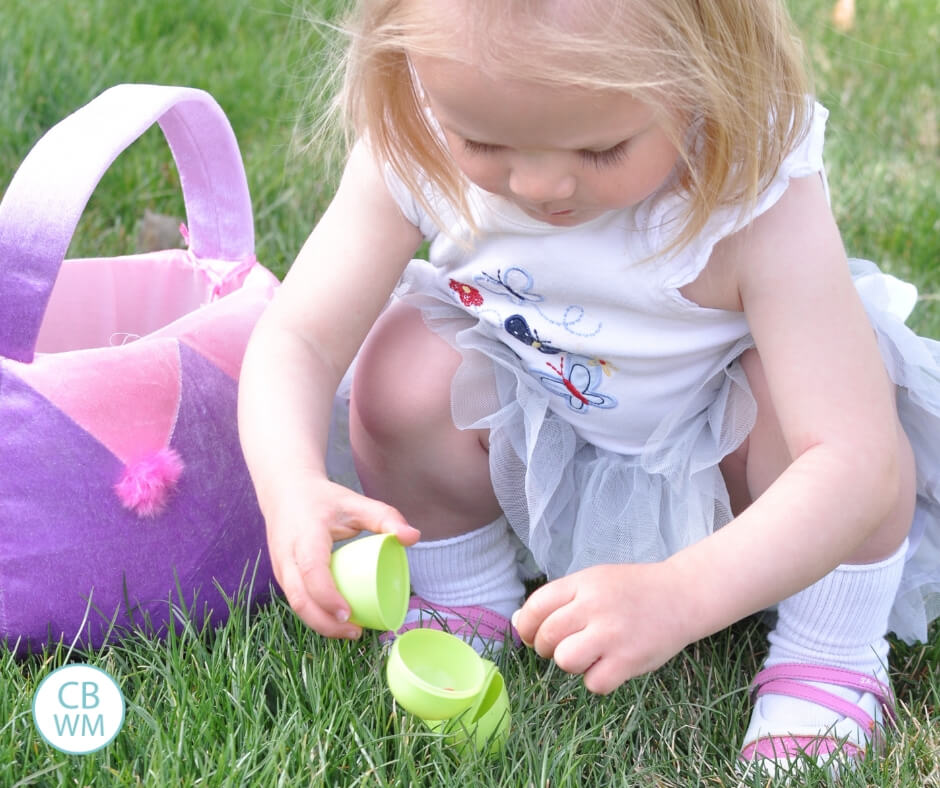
[562, 217]
[558, 218]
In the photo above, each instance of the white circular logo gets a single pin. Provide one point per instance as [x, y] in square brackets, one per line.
[78, 709]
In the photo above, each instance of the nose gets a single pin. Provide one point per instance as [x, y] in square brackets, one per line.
[537, 180]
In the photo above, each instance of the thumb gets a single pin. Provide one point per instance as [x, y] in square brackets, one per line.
[381, 518]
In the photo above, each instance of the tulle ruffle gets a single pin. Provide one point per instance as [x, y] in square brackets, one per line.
[573, 505]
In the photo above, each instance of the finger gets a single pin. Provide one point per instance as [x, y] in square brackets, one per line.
[604, 676]
[312, 566]
[394, 523]
[542, 603]
[367, 514]
[313, 615]
[562, 623]
[577, 653]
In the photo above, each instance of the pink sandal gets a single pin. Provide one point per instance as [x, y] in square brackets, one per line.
[470, 622]
[850, 736]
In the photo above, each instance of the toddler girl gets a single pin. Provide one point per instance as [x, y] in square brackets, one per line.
[637, 360]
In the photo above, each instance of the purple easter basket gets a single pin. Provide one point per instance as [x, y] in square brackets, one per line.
[123, 491]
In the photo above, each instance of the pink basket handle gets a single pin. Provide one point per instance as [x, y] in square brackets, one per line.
[49, 191]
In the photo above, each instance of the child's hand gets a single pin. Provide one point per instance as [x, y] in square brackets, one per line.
[611, 622]
[300, 541]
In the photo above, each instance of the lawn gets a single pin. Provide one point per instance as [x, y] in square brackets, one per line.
[263, 701]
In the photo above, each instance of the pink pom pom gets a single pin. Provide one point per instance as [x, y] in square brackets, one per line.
[147, 483]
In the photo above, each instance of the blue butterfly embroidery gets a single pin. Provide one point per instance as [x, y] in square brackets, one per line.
[576, 386]
[517, 326]
[513, 283]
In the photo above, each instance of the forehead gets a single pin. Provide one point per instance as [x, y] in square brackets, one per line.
[513, 21]
[523, 113]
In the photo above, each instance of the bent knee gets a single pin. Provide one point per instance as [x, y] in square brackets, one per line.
[403, 376]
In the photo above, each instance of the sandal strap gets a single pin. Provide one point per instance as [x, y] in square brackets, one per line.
[787, 679]
[820, 697]
[783, 746]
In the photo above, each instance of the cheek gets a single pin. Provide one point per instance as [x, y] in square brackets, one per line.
[483, 171]
[641, 175]
[659, 162]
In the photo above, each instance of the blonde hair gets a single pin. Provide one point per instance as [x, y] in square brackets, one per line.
[732, 69]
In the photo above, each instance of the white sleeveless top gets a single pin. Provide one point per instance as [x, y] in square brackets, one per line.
[593, 312]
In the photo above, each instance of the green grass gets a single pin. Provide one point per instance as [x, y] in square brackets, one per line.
[263, 701]
[880, 83]
[254, 56]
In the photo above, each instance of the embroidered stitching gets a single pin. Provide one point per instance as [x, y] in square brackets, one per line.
[577, 386]
[517, 326]
[515, 284]
[468, 294]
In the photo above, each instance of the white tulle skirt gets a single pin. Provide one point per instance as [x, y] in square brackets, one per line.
[573, 505]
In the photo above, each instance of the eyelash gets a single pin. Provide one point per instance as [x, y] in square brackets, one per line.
[597, 158]
[605, 158]
[479, 147]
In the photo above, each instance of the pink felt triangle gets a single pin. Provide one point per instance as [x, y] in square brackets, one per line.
[219, 331]
[127, 398]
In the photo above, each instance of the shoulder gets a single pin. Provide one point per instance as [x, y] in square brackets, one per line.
[798, 185]
[788, 238]
[363, 202]
[781, 239]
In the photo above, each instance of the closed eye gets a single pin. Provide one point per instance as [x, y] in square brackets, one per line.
[597, 158]
[606, 157]
[471, 146]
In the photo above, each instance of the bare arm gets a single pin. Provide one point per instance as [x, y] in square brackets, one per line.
[301, 347]
[836, 409]
[835, 406]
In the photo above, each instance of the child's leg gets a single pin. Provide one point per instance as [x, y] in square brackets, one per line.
[409, 454]
[838, 622]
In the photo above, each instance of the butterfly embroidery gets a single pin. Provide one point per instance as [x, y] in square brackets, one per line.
[517, 326]
[576, 386]
[513, 283]
[469, 295]
[605, 365]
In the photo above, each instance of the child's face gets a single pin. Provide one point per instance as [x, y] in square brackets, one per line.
[564, 155]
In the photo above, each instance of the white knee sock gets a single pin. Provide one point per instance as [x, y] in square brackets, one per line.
[476, 568]
[841, 620]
